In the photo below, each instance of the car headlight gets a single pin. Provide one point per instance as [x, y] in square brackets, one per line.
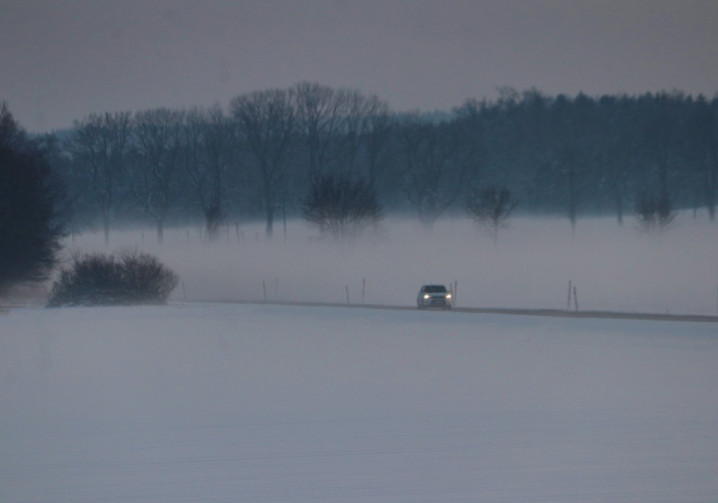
[427, 296]
[448, 295]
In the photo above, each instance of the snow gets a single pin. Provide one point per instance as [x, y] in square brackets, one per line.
[208, 399]
[229, 402]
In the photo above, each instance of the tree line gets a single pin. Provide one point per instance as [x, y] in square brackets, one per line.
[601, 155]
[268, 154]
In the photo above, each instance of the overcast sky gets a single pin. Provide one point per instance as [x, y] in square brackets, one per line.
[63, 59]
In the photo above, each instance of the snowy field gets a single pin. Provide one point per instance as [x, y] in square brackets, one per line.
[213, 401]
[261, 403]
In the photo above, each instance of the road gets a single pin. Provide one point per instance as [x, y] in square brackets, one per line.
[617, 315]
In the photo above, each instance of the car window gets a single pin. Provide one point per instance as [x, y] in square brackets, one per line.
[435, 289]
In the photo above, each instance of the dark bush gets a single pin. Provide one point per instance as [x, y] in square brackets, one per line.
[655, 213]
[341, 207]
[98, 279]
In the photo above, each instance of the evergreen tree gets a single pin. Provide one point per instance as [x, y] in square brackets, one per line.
[29, 202]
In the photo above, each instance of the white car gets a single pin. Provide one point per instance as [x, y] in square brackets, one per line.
[434, 296]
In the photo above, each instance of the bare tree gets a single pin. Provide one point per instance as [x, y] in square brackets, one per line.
[155, 178]
[338, 125]
[363, 127]
[320, 115]
[266, 121]
[99, 150]
[206, 144]
[341, 207]
[491, 208]
[439, 165]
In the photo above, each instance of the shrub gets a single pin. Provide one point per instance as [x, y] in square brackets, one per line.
[655, 213]
[341, 207]
[98, 279]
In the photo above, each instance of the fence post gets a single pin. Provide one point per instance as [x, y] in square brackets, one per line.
[346, 289]
[568, 300]
[575, 298]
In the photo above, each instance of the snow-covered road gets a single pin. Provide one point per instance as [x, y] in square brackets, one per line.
[262, 403]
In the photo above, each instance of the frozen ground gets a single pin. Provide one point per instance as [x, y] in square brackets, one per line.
[260, 403]
[221, 402]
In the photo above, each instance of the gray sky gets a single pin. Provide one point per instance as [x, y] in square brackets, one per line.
[63, 59]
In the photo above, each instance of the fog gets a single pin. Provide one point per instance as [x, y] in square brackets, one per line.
[617, 268]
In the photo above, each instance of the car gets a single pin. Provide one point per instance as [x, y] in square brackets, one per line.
[434, 296]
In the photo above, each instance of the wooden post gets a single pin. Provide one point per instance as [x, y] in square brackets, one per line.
[575, 298]
[363, 289]
[346, 289]
[568, 300]
[264, 290]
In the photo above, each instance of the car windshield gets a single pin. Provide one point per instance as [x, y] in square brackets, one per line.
[435, 289]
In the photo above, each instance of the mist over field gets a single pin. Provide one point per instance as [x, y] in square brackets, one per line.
[616, 268]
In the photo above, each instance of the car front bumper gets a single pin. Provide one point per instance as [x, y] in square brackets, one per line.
[441, 302]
